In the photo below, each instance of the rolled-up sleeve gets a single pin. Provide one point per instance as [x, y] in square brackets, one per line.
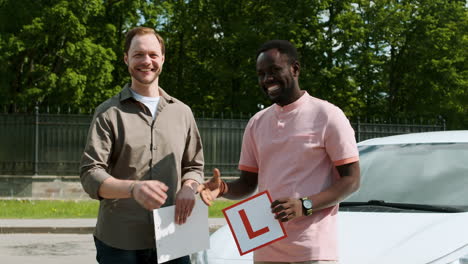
[192, 159]
[95, 159]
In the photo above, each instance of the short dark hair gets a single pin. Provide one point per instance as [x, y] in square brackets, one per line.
[283, 46]
[142, 31]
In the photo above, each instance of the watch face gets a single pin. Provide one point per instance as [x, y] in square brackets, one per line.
[307, 204]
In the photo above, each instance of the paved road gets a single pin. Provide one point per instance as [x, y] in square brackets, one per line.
[47, 249]
[53, 241]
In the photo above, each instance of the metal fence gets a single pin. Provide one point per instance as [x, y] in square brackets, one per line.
[52, 144]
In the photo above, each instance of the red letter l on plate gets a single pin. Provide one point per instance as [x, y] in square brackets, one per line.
[248, 226]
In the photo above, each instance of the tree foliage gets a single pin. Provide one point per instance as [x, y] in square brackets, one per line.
[388, 58]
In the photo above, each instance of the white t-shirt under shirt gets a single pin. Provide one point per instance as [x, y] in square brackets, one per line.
[150, 102]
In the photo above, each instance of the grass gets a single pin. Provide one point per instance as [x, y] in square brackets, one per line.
[215, 210]
[37, 209]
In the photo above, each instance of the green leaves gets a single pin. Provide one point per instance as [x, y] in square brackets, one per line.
[371, 58]
[53, 57]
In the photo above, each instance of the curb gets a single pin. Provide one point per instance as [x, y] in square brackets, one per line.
[46, 230]
[61, 230]
[67, 226]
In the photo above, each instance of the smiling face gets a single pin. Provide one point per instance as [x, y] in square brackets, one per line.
[145, 60]
[277, 77]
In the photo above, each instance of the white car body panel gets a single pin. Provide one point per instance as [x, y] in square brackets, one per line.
[370, 237]
[453, 136]
[225, 252]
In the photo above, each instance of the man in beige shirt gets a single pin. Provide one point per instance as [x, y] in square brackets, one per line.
[143, 152]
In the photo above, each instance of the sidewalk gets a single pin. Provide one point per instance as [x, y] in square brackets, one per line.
[68, 226]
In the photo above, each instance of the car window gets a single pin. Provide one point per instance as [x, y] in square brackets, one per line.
[435, 174]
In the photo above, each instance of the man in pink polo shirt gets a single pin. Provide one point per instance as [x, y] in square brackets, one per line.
[303, 151]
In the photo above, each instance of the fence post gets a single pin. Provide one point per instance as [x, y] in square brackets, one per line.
[358, 129]
[36, 140]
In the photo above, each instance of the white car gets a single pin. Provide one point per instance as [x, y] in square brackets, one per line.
[412, 206]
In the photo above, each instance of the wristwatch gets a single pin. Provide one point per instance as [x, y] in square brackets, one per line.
[306, 206]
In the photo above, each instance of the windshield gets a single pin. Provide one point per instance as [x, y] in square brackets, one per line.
[435, 174]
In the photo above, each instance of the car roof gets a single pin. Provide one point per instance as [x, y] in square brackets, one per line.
[449, 136]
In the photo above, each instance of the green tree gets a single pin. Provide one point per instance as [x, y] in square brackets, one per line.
[64, 52]
[52, 57]
[386, 58]
[426, 68]
[211, 48]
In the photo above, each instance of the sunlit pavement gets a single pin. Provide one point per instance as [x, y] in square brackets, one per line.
[47, 248]
[53, 241]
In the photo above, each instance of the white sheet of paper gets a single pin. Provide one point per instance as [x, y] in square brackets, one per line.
[174, 241]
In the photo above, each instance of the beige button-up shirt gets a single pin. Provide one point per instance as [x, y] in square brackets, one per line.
[126, 143]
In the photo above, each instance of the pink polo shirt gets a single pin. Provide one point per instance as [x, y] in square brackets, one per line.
[294, 149]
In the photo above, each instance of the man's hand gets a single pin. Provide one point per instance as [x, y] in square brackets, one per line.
[286, 209]
[150, 194]
[185, 201]
[210, 190]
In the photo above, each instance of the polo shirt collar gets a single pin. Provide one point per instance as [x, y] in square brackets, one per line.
[293, 105]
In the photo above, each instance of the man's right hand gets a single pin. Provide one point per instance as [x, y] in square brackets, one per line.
[210, 190]
[150, 194]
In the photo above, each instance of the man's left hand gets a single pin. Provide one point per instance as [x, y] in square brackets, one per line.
[185, 201]
[286, 209]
